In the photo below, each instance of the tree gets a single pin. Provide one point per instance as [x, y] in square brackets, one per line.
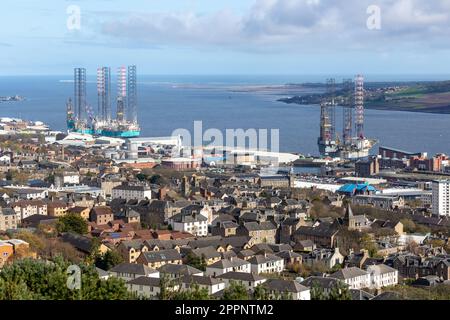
[340, 291]
[141, 176]
[369, 245]
[166, 288]
[156, 179]
[196, 262]
[72, 223]
[408, 225]
[261, 292]
[193, 293]
[108, 260]
[32, 279]
[317, 292]
[235, 291]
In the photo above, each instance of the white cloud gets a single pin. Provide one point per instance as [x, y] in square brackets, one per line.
[306, 25]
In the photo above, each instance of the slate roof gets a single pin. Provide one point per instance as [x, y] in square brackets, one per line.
[349, 273]
[179, 269]
[228, 263]
[201, 280]
[207, 252]
[255, 226]
[260, 259]
[323, 282]
[146, 281]
[360, 295]
[281, 285]
[242, 276]
[162, 255]
[133, 268]
[324, 229]
[380, 269]
[188, 218]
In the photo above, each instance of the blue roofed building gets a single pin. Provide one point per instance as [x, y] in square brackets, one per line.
[351, 189]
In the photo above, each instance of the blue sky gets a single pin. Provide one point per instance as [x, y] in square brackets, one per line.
[227, 37]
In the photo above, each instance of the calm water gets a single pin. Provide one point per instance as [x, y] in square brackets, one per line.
[170, 102]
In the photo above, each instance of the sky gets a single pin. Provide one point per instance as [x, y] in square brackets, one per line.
[255, 37]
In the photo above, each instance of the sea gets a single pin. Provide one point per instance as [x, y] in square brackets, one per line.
[170, 102]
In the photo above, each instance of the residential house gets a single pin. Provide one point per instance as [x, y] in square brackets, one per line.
[382, 276]
[147, 287]
[321, 233]
[330, 257]
[233, 264]
[324, 284]
[356, 278]
[29, 193]
[260, 232]
[249, 280]
[128, 271]
[209, 254]
[132, 192]
[156, 259]
[267, 263]
[195, 223]
[175, 271]
[129, 216]
[212, 285]
[288, 228]
[8, 219]
[57, 208]
[27, 208]
[101, 215]
[6, 251]
[79, 211]
[280, 288]
[131, 250]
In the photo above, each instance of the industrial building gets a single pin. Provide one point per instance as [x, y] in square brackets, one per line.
[81, 117]
[350, 146]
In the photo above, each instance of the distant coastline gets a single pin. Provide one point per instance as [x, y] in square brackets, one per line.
[419, 97]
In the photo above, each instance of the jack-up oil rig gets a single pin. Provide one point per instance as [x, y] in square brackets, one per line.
[82, 119]
[350, 146]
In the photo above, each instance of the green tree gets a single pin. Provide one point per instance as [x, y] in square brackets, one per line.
[408, 225]
[340, 291]
[261, 292]
[32, 279]
[166, 288]
[108, 260]
[156, 179]
[235, 291]
[141, 176]
[317, 292]
[72, 223]
[193, 293]
[196, 262]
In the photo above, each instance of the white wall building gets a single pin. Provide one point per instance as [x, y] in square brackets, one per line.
[233, 264]
[196, 224]
[62, 179]
[382, 276]
[267, 263]
[354, 277]
[441, 197]
[132, 192]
